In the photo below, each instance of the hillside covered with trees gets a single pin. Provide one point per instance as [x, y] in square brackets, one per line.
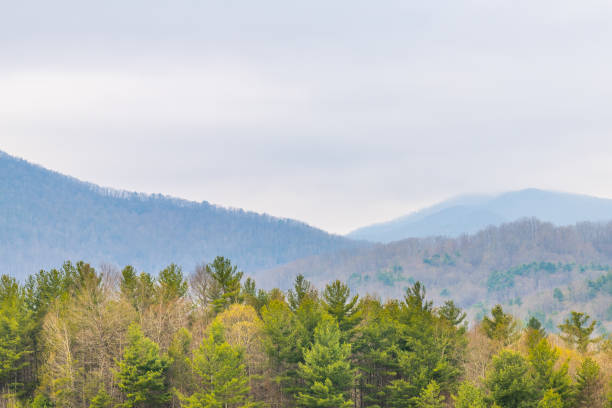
[80, 337]
[530, 267]
[47, 217]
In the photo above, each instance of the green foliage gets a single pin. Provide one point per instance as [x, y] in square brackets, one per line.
[172, 284]
[101, 400]
[391, 276]
[340, 305]
[139, 290]
[441, 260]
[227, 279]
[15, 325]
[326, 370]
[430, 397]
[502, 280]
[42, 401]
[551, 400]
[535, 332]
[543, 358]
[302, 289]
[500, 326]
[283, 342]
[510, 381]
[142, 372]
[576, 331]
[469, 396]
[221, 371]
[588, 384]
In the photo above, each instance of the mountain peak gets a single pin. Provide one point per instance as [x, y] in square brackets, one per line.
[470, 213]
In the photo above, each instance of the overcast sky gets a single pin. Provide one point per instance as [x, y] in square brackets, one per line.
[336, 113]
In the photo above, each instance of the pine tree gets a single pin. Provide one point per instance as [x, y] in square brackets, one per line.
[577, 331]
[501, 326]
[430, 397]
[543, 358]
[510, 382]
[535, 332]
[326, 370]
[551, 400]
[226, 283]
[302, 289]
[223, 382]
[588, 384]
[14, 332]
[172, 284]
[469, 396]
[142, 372]
[340, 305]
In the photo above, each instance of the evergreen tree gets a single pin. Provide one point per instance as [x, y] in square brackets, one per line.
[551, 400]
[302, 289]
[588, 384]
[15, 325]
[142, 372]
[510, 381]
[500, 326]
[340, 305]
[223, 382]
[535, 332]
[283, 342]
[577, 331]
[226, 283]
[179, 370]
[543, 358]
[469, 396]
[326, 370]
[452, 314]
[430, 397]
[172, 284]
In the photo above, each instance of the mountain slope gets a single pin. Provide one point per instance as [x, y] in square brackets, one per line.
[509, 264]
[46, 218]
[469, 214]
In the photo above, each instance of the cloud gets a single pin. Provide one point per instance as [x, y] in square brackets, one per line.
[338, 114]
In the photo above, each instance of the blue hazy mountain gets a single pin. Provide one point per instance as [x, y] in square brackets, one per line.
[47, 218]
[471, 213]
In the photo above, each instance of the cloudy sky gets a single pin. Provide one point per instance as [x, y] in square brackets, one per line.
[338, 113]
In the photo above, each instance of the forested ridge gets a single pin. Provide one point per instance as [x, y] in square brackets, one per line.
[79, 337]
[531, 267]
[46, 217]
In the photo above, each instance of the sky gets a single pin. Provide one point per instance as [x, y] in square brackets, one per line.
[339, 114]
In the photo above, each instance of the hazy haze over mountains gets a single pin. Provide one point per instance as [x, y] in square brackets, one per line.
[47, 218]
[471, 213]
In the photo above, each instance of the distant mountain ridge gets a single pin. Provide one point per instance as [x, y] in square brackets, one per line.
[471, 213]
[520, 265]
[47, 218]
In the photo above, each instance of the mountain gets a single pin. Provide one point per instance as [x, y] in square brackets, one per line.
[469, 214]
[518, 264]
[47, 218]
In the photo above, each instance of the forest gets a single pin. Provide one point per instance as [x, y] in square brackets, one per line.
[79, 337]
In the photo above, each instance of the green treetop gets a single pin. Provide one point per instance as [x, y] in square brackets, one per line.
[326, 370]
[142, 372]
[577, 331]
[340, 305]
[226, 279]
[500, 326]
[223, 382]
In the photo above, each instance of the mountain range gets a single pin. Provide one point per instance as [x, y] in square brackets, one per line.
[47, 218]
[471, 213]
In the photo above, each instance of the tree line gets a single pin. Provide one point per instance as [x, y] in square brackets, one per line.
[85, 338]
